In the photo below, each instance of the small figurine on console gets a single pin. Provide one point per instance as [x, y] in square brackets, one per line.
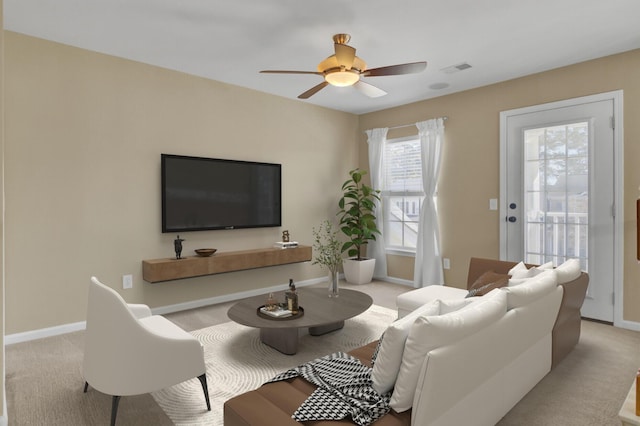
[285, 236]
[177, 244]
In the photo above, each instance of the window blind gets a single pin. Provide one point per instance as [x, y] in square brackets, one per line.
[402, 168]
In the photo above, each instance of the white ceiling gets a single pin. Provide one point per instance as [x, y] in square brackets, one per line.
[230, 41]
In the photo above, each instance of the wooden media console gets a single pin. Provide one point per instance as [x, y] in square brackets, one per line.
[167, 269]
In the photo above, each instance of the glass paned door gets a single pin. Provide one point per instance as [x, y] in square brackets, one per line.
[557, 191]
[556, 185]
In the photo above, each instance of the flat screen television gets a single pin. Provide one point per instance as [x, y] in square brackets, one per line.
[210, 193]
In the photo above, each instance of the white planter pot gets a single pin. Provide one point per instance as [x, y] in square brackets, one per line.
[358, 271]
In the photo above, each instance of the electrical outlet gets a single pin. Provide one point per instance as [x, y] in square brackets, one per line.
[127, 281]
[446, 263]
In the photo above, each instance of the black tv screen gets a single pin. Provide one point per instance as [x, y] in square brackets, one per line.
[209, 193]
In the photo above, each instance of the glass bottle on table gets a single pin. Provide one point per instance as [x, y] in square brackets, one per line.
[271, 304]
[292, 298]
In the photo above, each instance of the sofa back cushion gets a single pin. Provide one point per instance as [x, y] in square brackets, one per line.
[388, 355]
[530, 289]
[568, 271]
[391, 345]
[431, 332]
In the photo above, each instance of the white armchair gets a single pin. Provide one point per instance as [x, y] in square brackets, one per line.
[128, 351]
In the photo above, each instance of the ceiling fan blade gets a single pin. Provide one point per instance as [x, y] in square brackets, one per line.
[410, 68]
[313, 90]
[289, 72]
[345, 55]
[369, 90]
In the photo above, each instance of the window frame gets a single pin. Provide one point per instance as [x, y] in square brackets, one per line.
[387, 194]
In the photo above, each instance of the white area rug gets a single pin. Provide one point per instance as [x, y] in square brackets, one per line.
[238, 362]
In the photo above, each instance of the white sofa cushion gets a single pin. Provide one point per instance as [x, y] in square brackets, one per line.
[452, 305]
[431, 332]
[531, 289]
[411, 300]
[389, 356]
[568, 271]
[391, 347]
[520, 270]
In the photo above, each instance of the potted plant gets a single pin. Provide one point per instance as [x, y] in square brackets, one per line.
[358, 223]
[328, 253]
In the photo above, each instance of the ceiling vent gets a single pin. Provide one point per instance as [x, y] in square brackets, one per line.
[456, 68]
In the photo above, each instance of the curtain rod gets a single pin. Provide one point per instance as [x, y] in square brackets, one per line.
[411, 125]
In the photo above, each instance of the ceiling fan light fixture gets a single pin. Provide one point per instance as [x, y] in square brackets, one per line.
[342, 78]
[344, 69]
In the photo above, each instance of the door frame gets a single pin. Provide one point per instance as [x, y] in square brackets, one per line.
[618, 165]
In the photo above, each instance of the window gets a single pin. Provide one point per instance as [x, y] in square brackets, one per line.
[402, 193]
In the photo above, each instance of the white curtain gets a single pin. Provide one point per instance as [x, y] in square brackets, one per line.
[375, 249]
[428, 265]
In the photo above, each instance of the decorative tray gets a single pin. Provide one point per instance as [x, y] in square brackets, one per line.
[284, 317]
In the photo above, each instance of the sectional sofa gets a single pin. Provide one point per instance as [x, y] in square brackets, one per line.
[452, 359]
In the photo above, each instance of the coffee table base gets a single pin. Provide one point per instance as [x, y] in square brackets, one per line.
[285, 340]
[324, 329]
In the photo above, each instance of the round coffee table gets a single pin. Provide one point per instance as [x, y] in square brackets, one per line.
[322, 314]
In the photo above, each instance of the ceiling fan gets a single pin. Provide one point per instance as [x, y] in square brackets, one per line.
[344, 68]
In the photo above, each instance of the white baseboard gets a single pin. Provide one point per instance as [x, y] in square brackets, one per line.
[629, 325]
[394, 280]
[68, 328]
[230, 297]
[26, 336]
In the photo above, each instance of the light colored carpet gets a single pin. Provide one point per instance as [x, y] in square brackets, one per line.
[44, 378]
[238, 362]
[588, 387]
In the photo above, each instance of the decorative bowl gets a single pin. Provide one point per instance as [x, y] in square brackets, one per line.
[204, 252]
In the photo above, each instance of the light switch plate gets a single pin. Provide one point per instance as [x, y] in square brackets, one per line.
[493, 204]
[127, 281]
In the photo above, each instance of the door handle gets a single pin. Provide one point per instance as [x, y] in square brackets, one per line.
[511, 219]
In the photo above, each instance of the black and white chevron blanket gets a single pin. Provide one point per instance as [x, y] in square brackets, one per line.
[344, 390]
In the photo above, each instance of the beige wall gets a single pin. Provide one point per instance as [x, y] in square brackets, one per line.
[84, 135]
[1, 209]
[470, 169]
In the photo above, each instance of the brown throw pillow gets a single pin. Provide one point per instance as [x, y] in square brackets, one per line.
[487, 282]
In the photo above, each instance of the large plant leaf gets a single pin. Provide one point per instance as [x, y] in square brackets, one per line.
[357, 219]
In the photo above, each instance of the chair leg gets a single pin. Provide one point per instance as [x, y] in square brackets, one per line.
[86, 386]
[114, 409]
[203, 381]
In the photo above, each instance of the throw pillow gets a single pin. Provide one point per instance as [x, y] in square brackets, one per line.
[487, 282]
[518, 281]
[520, 267]
[568, 271]
[389, 357]
[520, 271]
[431, 332]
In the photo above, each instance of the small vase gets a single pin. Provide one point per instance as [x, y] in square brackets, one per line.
[333, 284]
